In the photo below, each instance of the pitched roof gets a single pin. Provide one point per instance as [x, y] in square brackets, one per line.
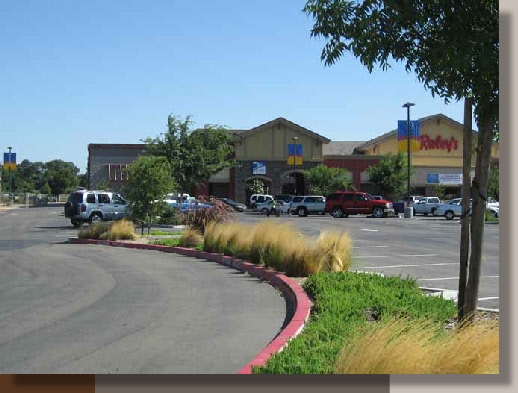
[282, 120]
[340, 148]
[390, 134]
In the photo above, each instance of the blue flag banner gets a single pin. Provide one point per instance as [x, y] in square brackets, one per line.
[294, 154]
[402, 135]
[10, 163]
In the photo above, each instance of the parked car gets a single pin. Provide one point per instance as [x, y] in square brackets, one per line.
[284, 197]
[427, 205]
[264, 207]
[451, 209]
[304, 205]
[92, 206]
[413, 199]
[492, 202]
[233, 204]
[255, 199]
[342, 203]
[376, 197]
[188, 206]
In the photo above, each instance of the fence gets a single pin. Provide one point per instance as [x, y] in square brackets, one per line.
[25, 199]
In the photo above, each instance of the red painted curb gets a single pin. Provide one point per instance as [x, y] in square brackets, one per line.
[290, 288]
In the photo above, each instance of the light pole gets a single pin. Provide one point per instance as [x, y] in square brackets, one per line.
[295, 139]
[407, 106]
[9, 166]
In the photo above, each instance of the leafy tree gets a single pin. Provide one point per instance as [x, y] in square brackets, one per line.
[453, 48]
[194, 155]
[149, 180]
[257, 186]
[61, 176]
[389, 176]
[323, 180]
[82, 179]
[494, 182]
[438, 190]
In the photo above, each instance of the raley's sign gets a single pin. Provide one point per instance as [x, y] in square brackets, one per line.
[438, 143]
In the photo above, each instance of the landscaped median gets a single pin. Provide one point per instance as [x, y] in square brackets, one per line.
[360, 323]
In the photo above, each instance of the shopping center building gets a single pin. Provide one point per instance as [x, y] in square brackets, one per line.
[278, 152]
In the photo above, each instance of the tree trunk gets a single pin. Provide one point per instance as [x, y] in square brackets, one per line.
[480, 183]
[466, 193]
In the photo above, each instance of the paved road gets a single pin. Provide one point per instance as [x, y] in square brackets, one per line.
[94, 309]
[425, 248]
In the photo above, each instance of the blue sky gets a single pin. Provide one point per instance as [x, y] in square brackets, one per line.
[80, 72]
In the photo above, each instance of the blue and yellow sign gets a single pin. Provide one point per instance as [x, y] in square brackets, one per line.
[10, 161]
[294, 154]
[402, 136]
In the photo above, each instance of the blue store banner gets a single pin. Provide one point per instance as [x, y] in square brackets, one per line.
[10, 163]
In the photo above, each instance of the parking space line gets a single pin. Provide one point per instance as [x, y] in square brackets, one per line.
[488, 298]
[370, 230]
[418, 255]
[396, 266]
[450, 278]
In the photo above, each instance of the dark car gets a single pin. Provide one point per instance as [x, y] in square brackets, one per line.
[233, 204]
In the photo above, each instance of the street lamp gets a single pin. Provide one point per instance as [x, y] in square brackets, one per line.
[407, 106]
[295, 139]
[9, 166]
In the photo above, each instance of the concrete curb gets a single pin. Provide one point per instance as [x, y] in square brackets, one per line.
[292, 291]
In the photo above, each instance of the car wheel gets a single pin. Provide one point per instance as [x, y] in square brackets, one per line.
[264, 211]
[449, 215]
[302, 212]
[425, 214]
[434, 209]
[378, 212]
[493, 214]
[337, 212]
[95, 217]
[76, 223]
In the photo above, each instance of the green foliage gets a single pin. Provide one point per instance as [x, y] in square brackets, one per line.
[103, 186]
[149, 180]
[390, 175]
[193, 155]
[341, 302]
[171, 216]
[430, 38]
[493, 188]
[438, 190]
[53, 177]
[173, 242]
[323, 180]
[164, 233]
[257, 186]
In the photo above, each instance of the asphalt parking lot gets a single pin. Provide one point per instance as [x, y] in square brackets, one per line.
[425, 248]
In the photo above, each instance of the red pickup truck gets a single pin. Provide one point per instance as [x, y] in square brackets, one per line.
[342, 203]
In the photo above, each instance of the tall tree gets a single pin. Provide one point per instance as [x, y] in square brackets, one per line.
[194, 155]
[61, 176]
[389, 176]
[149, 180]
[323, 180]
[451, 45]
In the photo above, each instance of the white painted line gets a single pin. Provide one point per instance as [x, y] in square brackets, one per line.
[488, 298]
[449, 278]
[418, 255]
[14, 214]
[370, 246]
[396, 266]
[372, 256]
[370, 230]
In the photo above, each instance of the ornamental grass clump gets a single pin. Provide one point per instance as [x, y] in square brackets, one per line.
[118, 230]
[332, 252]
[420, 346]
[94, 231]
[280, 246]
[190, 238]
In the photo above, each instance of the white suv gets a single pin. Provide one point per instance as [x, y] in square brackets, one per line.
[93, 206]
[256, 199]
[311, 204]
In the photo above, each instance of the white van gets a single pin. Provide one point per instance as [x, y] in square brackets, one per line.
[256, 199]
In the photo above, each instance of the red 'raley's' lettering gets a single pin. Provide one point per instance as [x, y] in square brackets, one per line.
[438, 143]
